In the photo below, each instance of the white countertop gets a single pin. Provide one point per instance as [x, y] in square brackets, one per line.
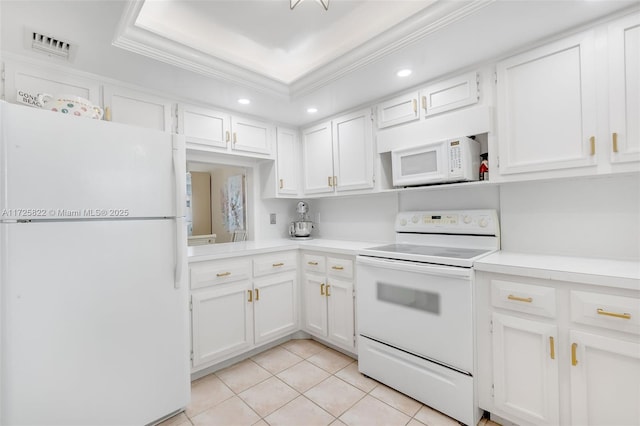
[246, 248]
[605, 272]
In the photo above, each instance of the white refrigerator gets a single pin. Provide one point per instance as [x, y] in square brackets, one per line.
[94, 307]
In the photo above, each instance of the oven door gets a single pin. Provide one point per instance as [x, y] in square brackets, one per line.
[420, 308]
[420, 165]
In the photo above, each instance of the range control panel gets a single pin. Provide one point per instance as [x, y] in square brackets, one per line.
[470, 222]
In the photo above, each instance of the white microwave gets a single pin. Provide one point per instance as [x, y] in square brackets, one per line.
[454, 160]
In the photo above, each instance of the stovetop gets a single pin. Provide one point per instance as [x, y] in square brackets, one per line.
[422, 250]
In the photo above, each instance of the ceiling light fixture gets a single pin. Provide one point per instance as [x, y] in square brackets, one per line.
[244, 101]
[312, 110]
[324, 3]
[404, 73]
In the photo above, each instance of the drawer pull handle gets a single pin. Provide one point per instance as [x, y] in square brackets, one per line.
[250, 295]
[338, 268]
[424, 103]
[223, 274]
[235, 138]
[226, 134]
[615, 142]
[281, 183]
[415, 106]
[322, 289]
[552, 348]
[328, 294]
[520, 299]
[257, 294]
[275, 265]
[574, 359]
[592, 143]
[312, 263]
[613, 314]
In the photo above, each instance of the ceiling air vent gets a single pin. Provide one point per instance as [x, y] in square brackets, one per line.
[50, 45]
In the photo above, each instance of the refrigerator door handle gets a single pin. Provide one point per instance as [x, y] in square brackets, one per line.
[180, 173]
[181, 249]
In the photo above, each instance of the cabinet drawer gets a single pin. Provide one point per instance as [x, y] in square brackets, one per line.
[340, 267]
[274, 263]
[312, 262]
[220, 271]
[603, 310]
[527, 298]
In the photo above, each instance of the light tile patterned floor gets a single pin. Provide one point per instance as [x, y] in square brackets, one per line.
[301, 383]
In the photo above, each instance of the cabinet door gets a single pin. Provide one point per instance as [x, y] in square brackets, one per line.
[624, 86]
[353, 151]
[525, 369]
[605, 377]
[546, 108]
[450, 94]
[251, 136]
[339, 294]
[315, 304]
[287, 161]
[25, 81]
[204, 127]
[401, 109]
[317, 159]
[275, 307]
[221, 322]
[129, 106]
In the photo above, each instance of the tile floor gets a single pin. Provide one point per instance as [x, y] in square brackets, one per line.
[301, 383]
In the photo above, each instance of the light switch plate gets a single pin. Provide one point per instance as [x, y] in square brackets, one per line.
[272, 218]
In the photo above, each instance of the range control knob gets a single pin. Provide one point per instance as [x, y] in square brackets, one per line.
[415, 219]
[467, 219]
[403, 222]
[483, 222]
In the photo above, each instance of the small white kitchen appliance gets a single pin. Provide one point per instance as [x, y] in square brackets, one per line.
[301, 228]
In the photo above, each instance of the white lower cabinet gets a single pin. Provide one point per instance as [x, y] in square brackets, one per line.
[525, 368]
[328, 299]
[554, 352]
[240, 303]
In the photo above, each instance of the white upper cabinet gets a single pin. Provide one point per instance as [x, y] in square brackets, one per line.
[624, 89]
[317, 159]
[547, 107]
[202, 126]
[251, 135]
[402, 109]
[123, 105]
[450, 94]
[287, 161]
[353, 151]
[25, 81]
[338, 155]
[216, 131]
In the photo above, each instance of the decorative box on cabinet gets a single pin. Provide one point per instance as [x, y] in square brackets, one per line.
[240, 303]
[557, 352]
[210, 130]
[328, 299]
[338, 155]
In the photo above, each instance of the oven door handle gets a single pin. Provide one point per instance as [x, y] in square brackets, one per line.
[423, 268]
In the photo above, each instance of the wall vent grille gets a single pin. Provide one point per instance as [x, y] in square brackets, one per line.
[50, 45]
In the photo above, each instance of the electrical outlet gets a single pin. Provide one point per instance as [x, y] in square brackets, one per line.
[272, 218]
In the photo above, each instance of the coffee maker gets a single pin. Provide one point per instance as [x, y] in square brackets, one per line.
[301, 228]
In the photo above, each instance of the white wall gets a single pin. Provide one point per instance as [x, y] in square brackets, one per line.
[590, 217]
[450, 198]
[362, 218]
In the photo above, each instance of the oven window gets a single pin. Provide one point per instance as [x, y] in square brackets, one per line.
[415, 164]
[411, 298]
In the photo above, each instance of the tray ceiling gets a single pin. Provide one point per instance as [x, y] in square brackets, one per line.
[265, 45]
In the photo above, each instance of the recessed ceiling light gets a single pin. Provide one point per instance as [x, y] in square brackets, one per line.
[404, 73]
[312, 110]
[244, 101]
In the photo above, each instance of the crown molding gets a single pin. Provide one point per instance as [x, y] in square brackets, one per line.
[130, 37]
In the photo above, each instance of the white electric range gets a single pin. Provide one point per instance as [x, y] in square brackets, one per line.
[415, 307]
